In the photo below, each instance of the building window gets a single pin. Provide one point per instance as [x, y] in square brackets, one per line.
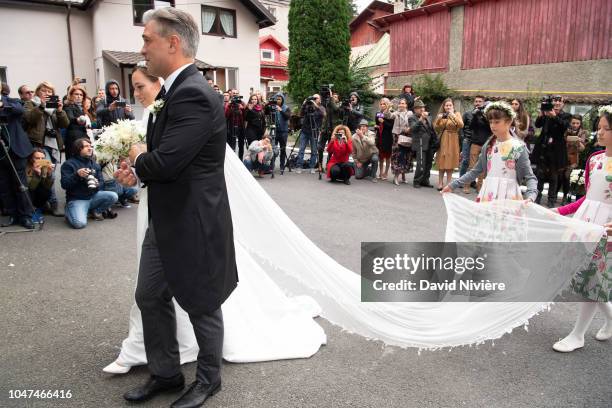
[3, 75]
[267, 55]
[218, 21]
[139, 7]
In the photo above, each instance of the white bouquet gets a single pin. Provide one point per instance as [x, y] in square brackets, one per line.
[577, 177]
[115, 140]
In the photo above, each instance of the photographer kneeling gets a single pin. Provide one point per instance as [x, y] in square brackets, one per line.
[39, 172]
[365, 152]
[259, 156]
[84, 185]
[340, 147]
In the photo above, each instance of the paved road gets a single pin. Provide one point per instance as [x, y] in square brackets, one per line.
[66, 294]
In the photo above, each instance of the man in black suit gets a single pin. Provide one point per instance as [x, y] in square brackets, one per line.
[15, 201]
[188, 249]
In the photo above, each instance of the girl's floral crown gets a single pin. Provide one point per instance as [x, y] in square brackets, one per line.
[605, 109]
[502, 106]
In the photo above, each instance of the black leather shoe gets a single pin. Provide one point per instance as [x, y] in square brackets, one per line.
[197, 393]
[428, 185]
[11, 221]
[154, 386]
[26, 222]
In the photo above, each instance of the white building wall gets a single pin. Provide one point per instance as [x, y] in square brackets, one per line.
[113, 29]
[280, 30]
[35, 47]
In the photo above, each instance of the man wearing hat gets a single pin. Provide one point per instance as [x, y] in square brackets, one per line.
[365, 152]
[424, 143]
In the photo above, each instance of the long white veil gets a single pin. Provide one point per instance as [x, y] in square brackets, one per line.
[299, 267]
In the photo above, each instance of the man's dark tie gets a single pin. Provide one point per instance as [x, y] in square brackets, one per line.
[162, 93]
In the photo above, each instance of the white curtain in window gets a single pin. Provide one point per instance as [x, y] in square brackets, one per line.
[227, 22]
[208, 19]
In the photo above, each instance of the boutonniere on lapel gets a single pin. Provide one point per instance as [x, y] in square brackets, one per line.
[157, 106]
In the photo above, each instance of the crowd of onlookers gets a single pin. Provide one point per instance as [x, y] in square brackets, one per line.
[39, 128]
[403, 138]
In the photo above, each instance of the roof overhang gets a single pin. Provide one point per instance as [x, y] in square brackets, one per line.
[129, 59]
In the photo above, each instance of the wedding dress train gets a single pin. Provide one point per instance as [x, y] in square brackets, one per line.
[275, 258]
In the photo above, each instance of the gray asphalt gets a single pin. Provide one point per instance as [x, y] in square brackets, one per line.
[66, 294]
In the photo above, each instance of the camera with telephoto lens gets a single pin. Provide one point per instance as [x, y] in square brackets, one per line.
[92, 181]
[547, 104]
[236, 100]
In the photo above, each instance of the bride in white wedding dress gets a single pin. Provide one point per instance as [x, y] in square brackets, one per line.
[275, 258]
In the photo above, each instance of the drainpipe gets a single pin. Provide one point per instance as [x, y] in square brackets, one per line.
[70, 42]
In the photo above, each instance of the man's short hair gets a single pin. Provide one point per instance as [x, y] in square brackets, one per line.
[20, 89]
[577, 117]
[176, 21]
[479, 96]
[45, 84]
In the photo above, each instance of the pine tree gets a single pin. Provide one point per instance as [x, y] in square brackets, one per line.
[319, 46]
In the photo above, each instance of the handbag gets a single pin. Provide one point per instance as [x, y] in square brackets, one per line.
[404, 140]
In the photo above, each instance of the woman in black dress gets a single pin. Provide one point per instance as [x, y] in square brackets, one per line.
[384, 140]
[255, 119]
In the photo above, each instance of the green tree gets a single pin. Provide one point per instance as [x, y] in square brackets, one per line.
[319, 46]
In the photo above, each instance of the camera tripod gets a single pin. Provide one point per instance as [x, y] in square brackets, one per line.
[22, 188]
[271, 119]
[316, 134]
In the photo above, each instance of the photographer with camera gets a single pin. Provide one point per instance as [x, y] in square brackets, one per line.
[39, 172]
[82, 179]
[234, 115]
[114, 108]
[354, 111]
[365, 152]
[255, 119]
[550, 150]
[477, 131]
[340, 147]
[43, 119]
[79, 120]
[259, 156]
[282, 113]
[447, 124]
[13, 164]
[313, 115]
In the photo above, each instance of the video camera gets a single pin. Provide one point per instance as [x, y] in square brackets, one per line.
[547, 104]
[5, 111]
[236, 100]
[271, 107]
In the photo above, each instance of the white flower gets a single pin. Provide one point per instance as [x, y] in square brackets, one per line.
[157, 106]
[115, 140]
[607, 108]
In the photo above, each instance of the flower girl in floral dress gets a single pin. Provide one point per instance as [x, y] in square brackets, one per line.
[505, 159]
[594, 283]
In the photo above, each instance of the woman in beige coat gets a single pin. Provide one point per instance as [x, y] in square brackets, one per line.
[447, 125]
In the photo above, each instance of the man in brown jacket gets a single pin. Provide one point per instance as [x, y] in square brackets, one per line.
[365, 152]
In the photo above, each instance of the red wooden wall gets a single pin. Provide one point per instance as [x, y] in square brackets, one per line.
[420, 44]
[278, 74]
[365, 34]
[522, 32]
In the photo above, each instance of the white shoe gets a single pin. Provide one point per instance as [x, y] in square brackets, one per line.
[605, 333]
[312, 171]
[299, 171]
[567, 346]
[116, 368]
